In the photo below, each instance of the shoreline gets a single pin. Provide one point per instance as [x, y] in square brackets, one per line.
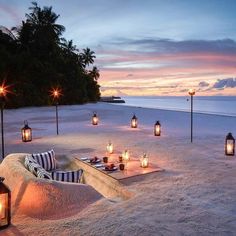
[162, 109]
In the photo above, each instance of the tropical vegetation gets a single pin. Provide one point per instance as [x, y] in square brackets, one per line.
[34, 58]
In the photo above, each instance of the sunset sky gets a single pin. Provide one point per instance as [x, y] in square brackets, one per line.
[149, 47]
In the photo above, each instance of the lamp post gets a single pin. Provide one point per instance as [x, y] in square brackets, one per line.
[56, 94]
[191, 92]
[2, 98]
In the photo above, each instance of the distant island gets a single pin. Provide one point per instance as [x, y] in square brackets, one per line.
[112, 99]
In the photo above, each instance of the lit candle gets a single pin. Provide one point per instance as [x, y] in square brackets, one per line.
[110, 148]
[2, 208]
[94, 119]
[230, 147]
[144, 161]
[125, 155]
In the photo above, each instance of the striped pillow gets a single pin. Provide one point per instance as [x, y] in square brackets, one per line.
[28, 160]
[34, 167]
[46, 159]
[43, 174]
[68, 176]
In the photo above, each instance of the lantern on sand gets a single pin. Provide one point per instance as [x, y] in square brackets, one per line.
[94, 119]
[157, 128]
[134, 122]
[5, 205]
[229, 145]
[26, 132]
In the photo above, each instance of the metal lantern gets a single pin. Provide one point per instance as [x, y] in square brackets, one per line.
[125, 155]
[110, 148]
[26, 132]
[5, 205]
[134, 122]
[94, 119]
[157, 128]
[229, 145]
[144, 160]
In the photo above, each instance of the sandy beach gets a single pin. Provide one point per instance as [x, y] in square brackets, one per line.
[195, 195]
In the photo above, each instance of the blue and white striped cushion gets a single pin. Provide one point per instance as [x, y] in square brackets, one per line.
[34, 167]
[46, 159]
[28, 160]
[42, 173]
[68, 176]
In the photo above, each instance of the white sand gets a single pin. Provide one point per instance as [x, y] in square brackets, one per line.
[194, 196]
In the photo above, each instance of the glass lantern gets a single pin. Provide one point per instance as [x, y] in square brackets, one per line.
[5, 205]
[157, 128]
[134, 122]
[26, 132]
[94, 119]
[229, 145]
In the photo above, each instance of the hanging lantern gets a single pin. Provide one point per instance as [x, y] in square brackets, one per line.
[144, 160]
[5, 205]
[110, 148]
[157, 128]
[125, 155]
[134, 122]
[94, 119]
[26, 132]
[229, 145]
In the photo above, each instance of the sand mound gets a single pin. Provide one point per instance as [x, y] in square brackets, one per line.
[40, 198]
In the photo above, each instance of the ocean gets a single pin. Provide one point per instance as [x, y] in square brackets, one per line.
[219, 105]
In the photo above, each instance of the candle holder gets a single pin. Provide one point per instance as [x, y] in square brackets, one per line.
[110, 148]
[126, 155]
[144, 161]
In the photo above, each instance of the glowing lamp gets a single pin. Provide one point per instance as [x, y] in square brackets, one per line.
[191, 92]
[229, 145]
[94, 119]
[110, 148]
[5, 205]
[26, 132]
[125, 155]
[144, 160]
[157, 128]
[134, 122]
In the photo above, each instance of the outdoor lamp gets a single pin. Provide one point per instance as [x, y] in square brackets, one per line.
[5, 205]
[94, 119]
[229, 145]
[134, 122]
[110, 148]
[26, 132]
[125, 155]
[144, 160]
[157, 128]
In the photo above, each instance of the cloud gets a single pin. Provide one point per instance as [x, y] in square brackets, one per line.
[225, 83]
[203, 84]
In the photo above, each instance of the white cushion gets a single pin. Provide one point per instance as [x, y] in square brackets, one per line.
[68, 176]
[46, 159]
[42, 173]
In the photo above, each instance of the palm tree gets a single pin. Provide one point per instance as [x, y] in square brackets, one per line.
[44, 18]
[87, 57]
[94, 73]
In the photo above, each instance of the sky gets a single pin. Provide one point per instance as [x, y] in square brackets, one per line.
[151, 47]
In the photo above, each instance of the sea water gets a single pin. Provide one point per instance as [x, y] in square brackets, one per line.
[219, 105]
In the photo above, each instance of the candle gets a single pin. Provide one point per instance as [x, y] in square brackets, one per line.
[2, 208]
[110, 148]
[144, 161]
[229, 147]
[125, 155]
